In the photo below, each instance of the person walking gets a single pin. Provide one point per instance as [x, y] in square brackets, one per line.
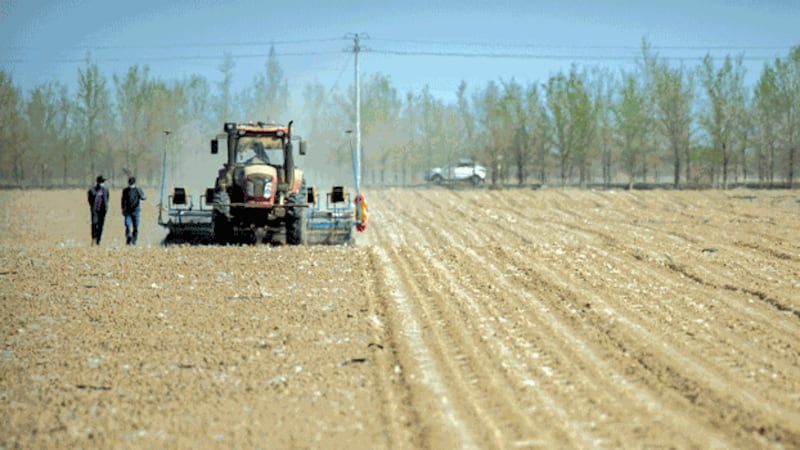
[98, 206]
[131, 209]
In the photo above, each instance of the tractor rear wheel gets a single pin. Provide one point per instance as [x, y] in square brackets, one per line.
[296, 222]
[223, 230]
[296, 232]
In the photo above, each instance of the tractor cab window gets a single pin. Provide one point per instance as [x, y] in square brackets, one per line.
[256, 149]
[252, 150]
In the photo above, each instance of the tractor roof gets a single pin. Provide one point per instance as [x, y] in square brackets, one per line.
[259, 128]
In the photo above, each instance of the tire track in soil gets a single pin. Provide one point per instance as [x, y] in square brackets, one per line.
[738, 298]
[500, 405]
[401, 420]
[579, 376]
[740, 302]
[412, 336]
[776, 432]
[457, 310]
[551, 319]
[716, 217]
[426, 362]
[654, 258]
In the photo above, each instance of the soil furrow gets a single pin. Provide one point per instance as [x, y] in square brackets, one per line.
[468, 318]
[591, 360]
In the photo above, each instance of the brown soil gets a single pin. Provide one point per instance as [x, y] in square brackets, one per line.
[461, 319]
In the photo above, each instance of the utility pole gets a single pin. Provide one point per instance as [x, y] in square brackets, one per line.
[356, 49]
[163, 176]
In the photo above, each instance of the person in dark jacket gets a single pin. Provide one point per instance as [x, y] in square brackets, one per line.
[131, 209]
[98, 206]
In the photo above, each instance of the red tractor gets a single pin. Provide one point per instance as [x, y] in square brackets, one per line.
[259, 194]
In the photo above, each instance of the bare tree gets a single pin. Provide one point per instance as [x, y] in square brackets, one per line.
[633, 125]
[726, 96]
[495, 130]
[673, 99]
[195, 94]
[574, 122]
[512, 104]
[470, 139]
[10, 117]
[134, 94]
[42, 113]
[788, 84]
[224, 110]
[92, 105]
[539, 135]
[267, 97]
[767, 112]
[66, 151]
[411, 153]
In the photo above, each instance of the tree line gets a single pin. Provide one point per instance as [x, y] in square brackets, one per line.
[657, 123]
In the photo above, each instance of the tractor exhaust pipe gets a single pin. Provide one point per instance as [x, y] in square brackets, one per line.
[289, 158]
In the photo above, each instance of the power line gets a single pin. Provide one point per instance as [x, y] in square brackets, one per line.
[191, 45]
[509, 55]
[173, 58]
[586, 47]
[341, 71]
[378, 51]
[537, 51]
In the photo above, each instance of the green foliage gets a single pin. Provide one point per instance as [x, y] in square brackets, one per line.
[673, 99]
[573, 116]
[568, 127]
[93, 113]
[605, 86]
[135, 93]
[10, 133]
[787, 77]
[725, 102]
[224, 108]
[42, 112]
[268, 96]
[633, 125]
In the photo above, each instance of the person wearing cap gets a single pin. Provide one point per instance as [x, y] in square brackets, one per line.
[131, 209]
[98, 206]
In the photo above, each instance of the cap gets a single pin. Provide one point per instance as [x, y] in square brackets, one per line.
[131, 180]
[100, 179]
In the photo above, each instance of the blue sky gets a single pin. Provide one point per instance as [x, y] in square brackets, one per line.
[415, 43]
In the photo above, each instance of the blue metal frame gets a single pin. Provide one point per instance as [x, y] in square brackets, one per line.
[344, 216]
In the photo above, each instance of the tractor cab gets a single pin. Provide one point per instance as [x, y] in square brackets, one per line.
[260, 167]
[258, 143]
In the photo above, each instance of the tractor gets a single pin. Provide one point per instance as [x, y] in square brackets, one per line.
[259, 195]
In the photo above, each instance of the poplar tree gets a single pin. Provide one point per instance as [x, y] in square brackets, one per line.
[42, 113]
[725, 97]
[574, 122]
[673, 99]
[92, 107]
[268, 95]
[10, 148]
[633, 125]
[134, 97]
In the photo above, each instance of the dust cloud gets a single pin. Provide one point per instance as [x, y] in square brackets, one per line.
[191, 165]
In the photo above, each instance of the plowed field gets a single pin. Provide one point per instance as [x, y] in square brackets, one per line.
[461, 319]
